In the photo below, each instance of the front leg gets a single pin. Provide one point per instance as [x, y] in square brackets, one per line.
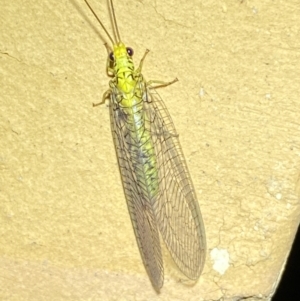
[105, 96]
[139, 69]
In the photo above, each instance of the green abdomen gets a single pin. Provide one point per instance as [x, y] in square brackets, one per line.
[142, 153]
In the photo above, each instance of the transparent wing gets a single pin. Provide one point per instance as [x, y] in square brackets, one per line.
[140, 208]
[177, 211]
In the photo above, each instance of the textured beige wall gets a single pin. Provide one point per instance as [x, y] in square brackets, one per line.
[65, 230]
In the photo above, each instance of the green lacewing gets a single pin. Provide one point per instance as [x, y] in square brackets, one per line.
[157, 185]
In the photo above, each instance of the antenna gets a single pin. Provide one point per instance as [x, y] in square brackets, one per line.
[102, 25]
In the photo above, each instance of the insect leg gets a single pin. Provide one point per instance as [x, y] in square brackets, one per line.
[160, 83]
[104, 97]
[139, 69]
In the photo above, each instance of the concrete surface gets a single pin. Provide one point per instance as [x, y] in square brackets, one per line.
[65, 230]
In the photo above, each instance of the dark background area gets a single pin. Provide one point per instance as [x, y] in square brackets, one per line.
[289, 286]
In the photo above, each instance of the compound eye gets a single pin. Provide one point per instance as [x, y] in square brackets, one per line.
[111, 56]
[129, 51]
